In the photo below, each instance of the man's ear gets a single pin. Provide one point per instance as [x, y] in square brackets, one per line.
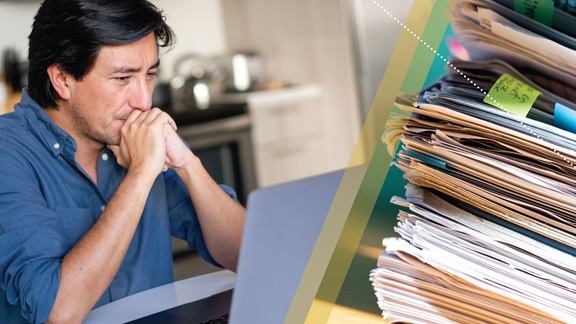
[60, 81]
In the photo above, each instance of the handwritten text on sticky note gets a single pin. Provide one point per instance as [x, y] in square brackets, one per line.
[512, 95]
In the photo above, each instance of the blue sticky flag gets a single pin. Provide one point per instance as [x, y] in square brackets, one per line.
[564, 118]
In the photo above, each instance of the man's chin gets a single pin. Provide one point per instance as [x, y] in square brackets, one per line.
[114, 141]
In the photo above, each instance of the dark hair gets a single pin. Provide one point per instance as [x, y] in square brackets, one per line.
[70, 33]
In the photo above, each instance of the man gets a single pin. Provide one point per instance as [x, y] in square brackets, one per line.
[93, 180]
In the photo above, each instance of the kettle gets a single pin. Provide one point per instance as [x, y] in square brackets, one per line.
[191, 92]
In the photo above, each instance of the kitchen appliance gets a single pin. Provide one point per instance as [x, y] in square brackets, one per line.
[196, 80]
[244, 71]
[218, 131]
[225, 148]
[190, 92]
[190, 87]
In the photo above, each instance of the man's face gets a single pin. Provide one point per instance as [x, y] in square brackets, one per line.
[121, 80]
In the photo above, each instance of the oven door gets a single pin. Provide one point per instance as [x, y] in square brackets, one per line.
[225, 148]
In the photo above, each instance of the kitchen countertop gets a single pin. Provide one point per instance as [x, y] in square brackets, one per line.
[263, 96]
[228, 105]
[216, 111]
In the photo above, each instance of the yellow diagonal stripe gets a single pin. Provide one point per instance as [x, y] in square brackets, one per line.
[360, 186]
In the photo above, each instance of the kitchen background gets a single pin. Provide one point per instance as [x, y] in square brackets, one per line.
[289, 105]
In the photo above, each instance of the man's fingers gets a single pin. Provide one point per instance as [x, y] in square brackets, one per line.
[155, 115]
[172, 122]
[133, 116]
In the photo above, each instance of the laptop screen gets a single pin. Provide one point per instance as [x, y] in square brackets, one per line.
[282, 225]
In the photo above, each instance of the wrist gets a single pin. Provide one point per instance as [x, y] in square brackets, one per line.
[189, 168]
[140, 178]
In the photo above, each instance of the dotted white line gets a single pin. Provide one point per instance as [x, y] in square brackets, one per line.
[468, 79]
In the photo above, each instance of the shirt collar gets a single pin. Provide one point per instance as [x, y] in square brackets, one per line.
[56, 139]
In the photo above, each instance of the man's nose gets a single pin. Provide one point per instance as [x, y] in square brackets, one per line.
[142, 95]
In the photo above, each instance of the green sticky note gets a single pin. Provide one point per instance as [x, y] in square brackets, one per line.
[539, 10]
[512, 95]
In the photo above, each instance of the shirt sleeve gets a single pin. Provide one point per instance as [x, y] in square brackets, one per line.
[183, 218]
[31, 241]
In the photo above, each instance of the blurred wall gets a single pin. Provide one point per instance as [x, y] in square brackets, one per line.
[198, 25]
[305, 41]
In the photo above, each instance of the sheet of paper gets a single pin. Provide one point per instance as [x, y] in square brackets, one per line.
[408, 287]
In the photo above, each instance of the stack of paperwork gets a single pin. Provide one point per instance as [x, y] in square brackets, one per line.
[487, 227]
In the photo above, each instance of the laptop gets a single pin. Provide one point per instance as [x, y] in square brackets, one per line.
[282, 225]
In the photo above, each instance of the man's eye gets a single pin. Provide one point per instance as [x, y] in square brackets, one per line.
[122, 79]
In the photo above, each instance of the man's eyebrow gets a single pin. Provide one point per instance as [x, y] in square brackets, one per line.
[129, 69]
[125, 69]
[155, 66]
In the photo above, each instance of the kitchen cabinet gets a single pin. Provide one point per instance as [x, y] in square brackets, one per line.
[288, 138]
[292, 159]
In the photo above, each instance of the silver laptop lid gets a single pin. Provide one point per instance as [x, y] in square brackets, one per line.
[282, 225]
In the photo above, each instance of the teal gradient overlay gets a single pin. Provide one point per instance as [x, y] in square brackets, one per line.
[356, 291]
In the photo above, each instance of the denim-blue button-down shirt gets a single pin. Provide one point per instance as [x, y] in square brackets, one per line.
[47, 203]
